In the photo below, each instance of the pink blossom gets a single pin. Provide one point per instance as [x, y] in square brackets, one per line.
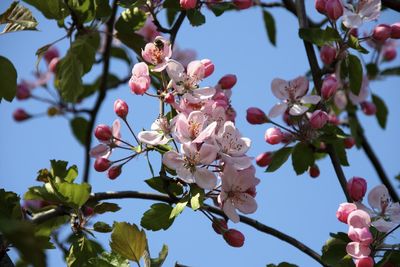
[193, 127]
[104, 150]
[184, 56]
[329, 86]
[365, 262]
[344, 210]
[208, 67]
[358, 250]
[364, 11]
[188, 164]
[188, 4]
[273, 136]
[318, 119]
[357, 187]
[292, 93]
[362, 235]
[340, 99]
[160, 129]
[327, 54]
[235, 185]
[140, 80]
[157, 53]
[359, 219]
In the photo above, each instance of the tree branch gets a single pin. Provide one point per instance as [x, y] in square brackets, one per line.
[102, 90]
[59, 211]
[392, 4]
[291, 7]
[339, 171]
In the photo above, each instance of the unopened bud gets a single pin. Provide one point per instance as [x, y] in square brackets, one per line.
[381, 32]
[53, 64]
[103, 132]
[264, 159]
[102, 164]
[327, 54]
[219, 226]
[329, 87]
[314, 171]
[228, 81]
[169, 98]
[256, 116]
[121, 108]
[395, 33]
[357, 187]
[334, 9]
[51, 53]
[114, 172]
[368, 108]
[208, 67]
[344, 210]
[234, 238]
[21, 115]
[320, 6]
[273, 136]
[243, 4]
[188, 4]
[349, 142]
[318, 119]
[23, 91]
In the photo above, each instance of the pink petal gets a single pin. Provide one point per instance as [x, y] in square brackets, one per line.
[208, 153]
[151, 137]
[245, 203]
[358, 250]
[100, 150]
[205, 178]
[116, 128]
[310, 99]
[140, 69]
[172, 160]
[384, 226]
[185, 174]
[246, 179]
[359, 219]
[209, 131]
[277, 110]
[376, 195]
[301, 85]
[230, 211]
[204, 93]
[278, 87]
[195, 70]
[239, 163]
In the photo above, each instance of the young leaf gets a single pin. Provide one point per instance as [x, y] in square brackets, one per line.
[269, 23]
[128, 241]
[18, 18]
[81, 250]
[54, 9]
[355, 44]
[197, 197]
[355, 74]
[102, 227]
[104, 207]
[381, 110]
[76, 194]
[79, 127]
[109, 260]
[195, 17]
[302, 158]
[179, 207]
[372, 70]
[8, 79]
[278, 158]
[318, 36]
[158, 262]
[131, 20]
[157, 217]
[9, 205]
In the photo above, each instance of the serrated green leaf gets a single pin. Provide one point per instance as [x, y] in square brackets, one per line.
[45, 192]
[355, 44]
[279, 157]
[355, 74]
[128, 241]
[102, 9]
[81, 250]
[102, 227]
[79, 126]
[104, 207]
[131, 20]
[196, 18]
[157, 217]
[8, 79]
[381, 110]
[109, 260]
[171, 14]
[18, 18]
[269, 23]
[319, 36]
[171, 4]
[302, 157]
[179, 207]
[164, 186]
[54, 9]
[75, 194]
[47, 227]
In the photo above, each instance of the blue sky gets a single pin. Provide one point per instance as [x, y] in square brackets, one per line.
[236, 43]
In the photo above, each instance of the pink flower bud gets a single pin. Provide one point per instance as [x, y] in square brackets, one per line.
[228, 81]
[121, 108]
[359, 219]
[264, 159]
[334, 9]
[234, 238]
[243, 4]
[169, 98]
[357, 187]
[327, 54]
[368, 108]
[53, 64]
[395, 33]
[273, 136]
[256, 116]
[219, 226]
[329, 87]
[23, 91]
[314, 171]
[320, 6]
[51, 53]
[318, 119]
[188, 4]
[287, 138]
[102, 164]
[114, 172]
[381, 32]
[208, 67]
[362, 235]
[103, 132]
[344, 210]
[365, 262]
[349, 142]
[21, 115]
[389, 54]
[333, 119]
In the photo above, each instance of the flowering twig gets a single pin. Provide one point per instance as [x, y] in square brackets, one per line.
[60, 210]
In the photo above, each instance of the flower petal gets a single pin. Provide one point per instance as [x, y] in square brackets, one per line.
[358, 250]
[297, 110]
[172, 160]
[208, 153]
[277, 110]
[310, 99]
[100, 150]
[230, 211]
[150, 137]
[245, 203]
[377, 195]
[205, 179]
[278, 87]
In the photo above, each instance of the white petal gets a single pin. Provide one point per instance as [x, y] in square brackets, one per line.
[384, 226]
[297, 110]
[175, 71]
[230, 211]
[205, 178]
[172, 160]
[310, 99]
[277, 110]
[376, 195]
[278, 88]
[150, 137]
[246, 203]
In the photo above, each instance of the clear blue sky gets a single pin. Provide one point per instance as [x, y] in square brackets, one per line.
[236, 43]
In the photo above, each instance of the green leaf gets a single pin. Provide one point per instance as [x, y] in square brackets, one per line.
[318, 36]
[391, 71]
[18, 18]
[381, 110]
[355, 74]
[79, 126]
[54, 9]
[179, 207]
[171, 14]
[109, 260]
[104, 207]
[171, 4]
[81, 250]
[102, 227]
[164, 186]
[47, 227]
[390, 258]
[197, 196]
[282, 264]
[131, 20]
[8, 79]
[334, 251]
[120, 53]
[302, 157]
[355, 44]
[128, 241]
[157, 217]
[269, 23]
[158, 262]
[220, 8]
[132, 40]
[279, 157]
[372, 70]
[195, 17]
[9, 205]
[102, 9]
[83, 10]
[75, 194]
[45, 192]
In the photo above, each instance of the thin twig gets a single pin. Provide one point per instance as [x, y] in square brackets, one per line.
[39, 218]
[102, 90]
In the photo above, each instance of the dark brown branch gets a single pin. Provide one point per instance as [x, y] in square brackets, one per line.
[392, 4]
[39, 218]
[102, 90]
[339, 171]
[291, 7]
[176, 27]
